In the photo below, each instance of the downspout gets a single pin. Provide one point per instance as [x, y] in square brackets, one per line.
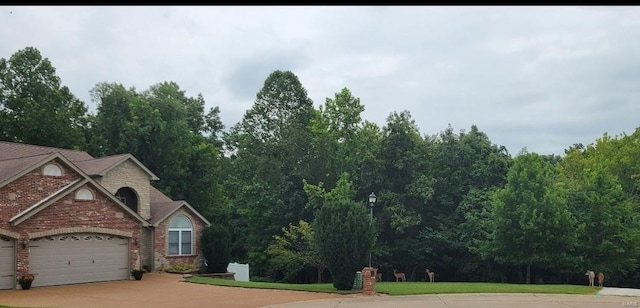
[152, 247]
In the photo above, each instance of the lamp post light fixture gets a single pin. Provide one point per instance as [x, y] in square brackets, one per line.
[372, 203]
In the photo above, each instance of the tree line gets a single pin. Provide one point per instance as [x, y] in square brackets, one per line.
[453, 202]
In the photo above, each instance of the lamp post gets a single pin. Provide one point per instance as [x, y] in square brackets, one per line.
[372, 202]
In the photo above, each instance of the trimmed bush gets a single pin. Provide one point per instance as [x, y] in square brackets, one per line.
[343, 236]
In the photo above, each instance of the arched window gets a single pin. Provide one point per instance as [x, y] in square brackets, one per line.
[180, 233]
[84, 194]
[129, 197]
[52, 169]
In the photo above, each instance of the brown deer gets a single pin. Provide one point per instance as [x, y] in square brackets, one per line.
[378, 274]
[431, 275]
[591, 276]
[399, 276]
[601, 279]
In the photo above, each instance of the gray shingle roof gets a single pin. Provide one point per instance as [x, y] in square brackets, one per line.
[99, 165]
[156, 196]
[12, 150]
[12, 167]
[160, 211]
[162, 206]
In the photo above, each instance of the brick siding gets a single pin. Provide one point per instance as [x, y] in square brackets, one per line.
[162, 260]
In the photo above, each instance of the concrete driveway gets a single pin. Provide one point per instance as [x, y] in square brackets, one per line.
[471, 301]
[155, 290]
[168, 290]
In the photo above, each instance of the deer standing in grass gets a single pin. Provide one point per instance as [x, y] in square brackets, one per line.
[431, 275]
[399, 276]
[378, 274]
[591, 276]
[601, 279]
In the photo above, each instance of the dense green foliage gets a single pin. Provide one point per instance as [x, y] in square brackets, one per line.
[602, 181]
[216, 248]
[165, 130]
[269, 157]
[342, 232]
[531, 224]
[294, 250]
[453, 202]
[34, 106]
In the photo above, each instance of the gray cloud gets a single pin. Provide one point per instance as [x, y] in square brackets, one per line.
[538, 77]
[248, 76]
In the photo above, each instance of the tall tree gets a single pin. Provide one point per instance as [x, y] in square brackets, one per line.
[281, 103]
[34, 106]
[168, 143]
[609, 231]
[406, 189]
[270, 156]
[621, 155]
[531, 222]
[458, 174]
[114, 112]
[335, 131]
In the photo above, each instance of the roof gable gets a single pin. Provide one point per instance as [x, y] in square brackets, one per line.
[29, 164]
[12, 169]
[65, 191]
[162, 207]
[101, 166]
[44, 203]
[161, 211]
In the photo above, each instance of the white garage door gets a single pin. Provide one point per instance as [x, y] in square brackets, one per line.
[78, 258]
[7, 263]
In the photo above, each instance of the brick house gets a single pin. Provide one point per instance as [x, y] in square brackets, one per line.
[68, 218]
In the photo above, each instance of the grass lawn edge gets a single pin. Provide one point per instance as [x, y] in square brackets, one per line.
[411, 288]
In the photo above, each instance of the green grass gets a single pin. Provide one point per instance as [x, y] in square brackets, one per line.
[415, 288]
[316, 287]
[411, 288]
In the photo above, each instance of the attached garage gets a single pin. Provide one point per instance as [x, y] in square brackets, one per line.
[7, 263]
[79, 258]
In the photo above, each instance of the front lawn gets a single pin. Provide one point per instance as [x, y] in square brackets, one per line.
[414, 288]
[411, 288]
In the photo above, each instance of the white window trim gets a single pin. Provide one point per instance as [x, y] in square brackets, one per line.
[52, 169]
[84, 194]
[180, 230]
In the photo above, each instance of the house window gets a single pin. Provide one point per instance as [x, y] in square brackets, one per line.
[52, 170]
[180, 231]
[129, 197]
[84, 194]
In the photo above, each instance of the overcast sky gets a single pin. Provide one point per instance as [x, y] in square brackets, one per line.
[543, 78]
